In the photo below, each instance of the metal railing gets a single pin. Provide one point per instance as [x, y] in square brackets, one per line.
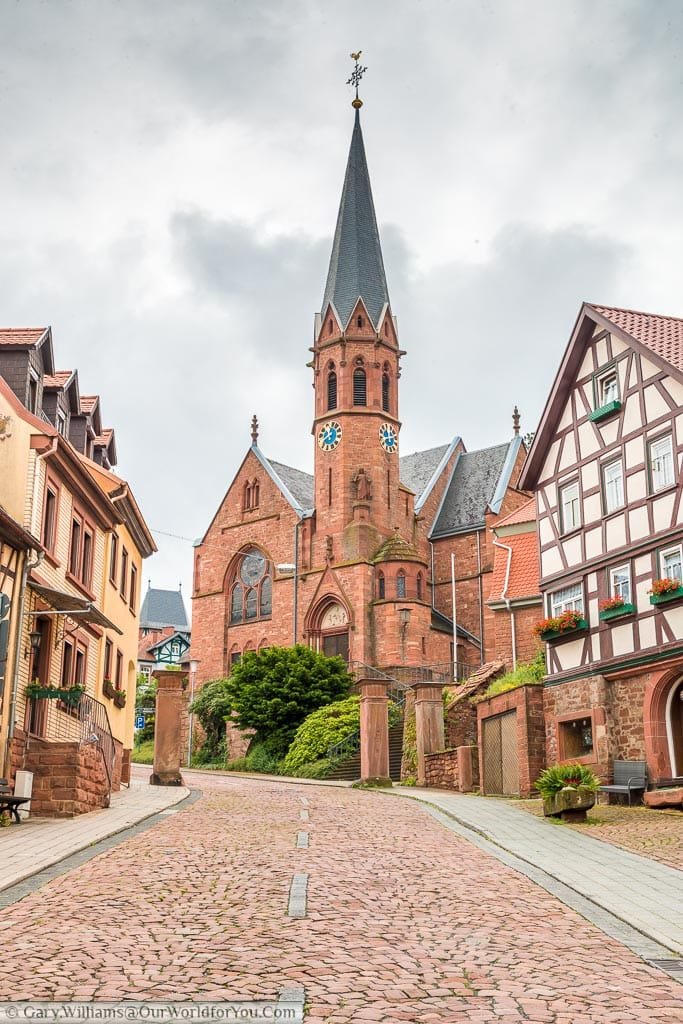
[85, 722]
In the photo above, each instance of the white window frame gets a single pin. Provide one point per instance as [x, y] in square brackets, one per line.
[564, 526]
[676, 549]
[613, 587]
[568, 599]
[655, 486]
[600, 398]
[608, 464]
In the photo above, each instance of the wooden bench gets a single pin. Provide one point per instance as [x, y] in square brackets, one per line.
[629, 777]
[10, 802]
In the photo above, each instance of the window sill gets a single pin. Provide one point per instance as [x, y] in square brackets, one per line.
[673, 595]
[604, 411]
[663, 490]
[80, 585]
[571, 533]
[617, 613]
[52, 560]
[582, 759]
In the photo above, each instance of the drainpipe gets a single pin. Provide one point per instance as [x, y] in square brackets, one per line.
[296, 577]
[15, 668]
[481, 600]
[504, 597]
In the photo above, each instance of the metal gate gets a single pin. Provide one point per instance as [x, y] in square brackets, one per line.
[500, 767]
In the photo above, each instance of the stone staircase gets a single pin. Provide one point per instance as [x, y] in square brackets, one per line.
[348, 770]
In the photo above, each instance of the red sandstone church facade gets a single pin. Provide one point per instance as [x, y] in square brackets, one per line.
[355, 558]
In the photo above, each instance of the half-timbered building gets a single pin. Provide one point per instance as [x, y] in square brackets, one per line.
[606, 468]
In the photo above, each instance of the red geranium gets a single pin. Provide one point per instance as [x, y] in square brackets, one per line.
[664, 586]
[611, 603]
[558, 624]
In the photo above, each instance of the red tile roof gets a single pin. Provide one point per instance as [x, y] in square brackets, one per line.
[663, 335]
[526, 513]
[524, 567]
[21, 335]
[105, 436]
[60, 378]
[88, 402]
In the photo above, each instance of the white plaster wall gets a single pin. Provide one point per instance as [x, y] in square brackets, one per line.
[569, 653]
[638, 524]
[647, 368]
[601, 352]
[550, 562]
[631, 416]
[647, 631]
[675, 389]
[568, 458]
[590, 477]
[591, 509]
[633, 453]
[545, 530]
[593, 539]
[622, 639]
[587, 440]
[572, 550]
[655, 406]
[674, 616]
[609, 431]
[615, 531]
[619, 346]
[662, 510]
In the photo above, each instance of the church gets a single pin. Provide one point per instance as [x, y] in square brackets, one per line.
[382, 558]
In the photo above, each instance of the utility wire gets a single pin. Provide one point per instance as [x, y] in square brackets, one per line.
[175, 536]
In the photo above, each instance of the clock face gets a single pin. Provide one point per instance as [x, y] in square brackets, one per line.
[388, 437]
[329, 436]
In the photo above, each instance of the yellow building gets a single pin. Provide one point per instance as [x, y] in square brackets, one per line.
[73, 587]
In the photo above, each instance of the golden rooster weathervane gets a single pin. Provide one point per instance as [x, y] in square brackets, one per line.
[355, 78]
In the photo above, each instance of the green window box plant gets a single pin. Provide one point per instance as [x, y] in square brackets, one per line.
[665, 590]
[604, 411]
[560, 625]
[68, 695]
[614, 608]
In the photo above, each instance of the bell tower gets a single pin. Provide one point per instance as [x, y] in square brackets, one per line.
[356, 372]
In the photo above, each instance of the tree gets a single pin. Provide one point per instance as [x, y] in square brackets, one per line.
[273, 691]
[212, 705]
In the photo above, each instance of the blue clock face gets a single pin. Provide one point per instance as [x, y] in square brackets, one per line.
[329, 436]
[388, 437]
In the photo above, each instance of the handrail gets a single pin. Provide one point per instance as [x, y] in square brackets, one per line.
[95, 728]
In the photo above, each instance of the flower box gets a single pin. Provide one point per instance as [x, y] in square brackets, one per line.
[668, 595]
[578, 626]
[108, 689]
[120, 699]
[616, 612]
[570, 803]
[604, 411]
[69, 695]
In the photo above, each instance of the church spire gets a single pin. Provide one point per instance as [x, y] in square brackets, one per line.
[356, 265]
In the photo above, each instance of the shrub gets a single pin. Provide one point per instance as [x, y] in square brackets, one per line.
[320, 730]
[143, 753]
[258, 760]
[565, 776]
[212, 706]
[273, 691]
[526, 673]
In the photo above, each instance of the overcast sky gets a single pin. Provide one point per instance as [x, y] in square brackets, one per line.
[170, 176]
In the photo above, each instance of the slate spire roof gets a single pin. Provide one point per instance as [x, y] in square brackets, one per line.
[162, 608]
[356, 265]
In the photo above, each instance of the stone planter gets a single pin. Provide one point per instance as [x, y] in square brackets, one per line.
[569, 804]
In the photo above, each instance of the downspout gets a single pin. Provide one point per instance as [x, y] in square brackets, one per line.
[504, 597]
[433, 585]
[296, 578]
[481, 600]
[18, 625]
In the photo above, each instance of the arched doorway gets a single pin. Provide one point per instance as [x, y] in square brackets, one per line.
[333, 631]
[674, 727]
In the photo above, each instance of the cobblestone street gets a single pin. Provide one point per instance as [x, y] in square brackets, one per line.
[405, 920]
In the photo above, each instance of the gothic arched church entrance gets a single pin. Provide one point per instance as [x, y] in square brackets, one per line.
[331, 632]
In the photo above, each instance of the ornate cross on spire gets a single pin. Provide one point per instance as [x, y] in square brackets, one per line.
[254, 430]
[355, 78]
[515, 420]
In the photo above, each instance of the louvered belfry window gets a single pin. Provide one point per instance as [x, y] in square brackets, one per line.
[360, 389]
[385, 392]
[331, 390]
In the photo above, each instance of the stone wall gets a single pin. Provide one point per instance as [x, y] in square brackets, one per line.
[441, 769]
[68, 778]
[527, 702]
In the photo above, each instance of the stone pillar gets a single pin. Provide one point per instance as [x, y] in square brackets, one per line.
[374, 732]
[428, 723]
[170, 728]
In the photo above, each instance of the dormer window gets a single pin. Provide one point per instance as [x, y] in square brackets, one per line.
[61, 423]
[33, 393]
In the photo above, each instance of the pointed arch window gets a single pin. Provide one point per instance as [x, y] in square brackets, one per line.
[400, 584]
[251, 595]
[381, 586]
[385, 391]
[331, 390]
[360, 387]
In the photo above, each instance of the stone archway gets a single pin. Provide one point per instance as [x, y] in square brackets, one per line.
[674, 727]
[329, 629]
[663, 724]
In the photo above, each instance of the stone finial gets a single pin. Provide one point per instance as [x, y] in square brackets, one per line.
[515, 421]
[254, 430]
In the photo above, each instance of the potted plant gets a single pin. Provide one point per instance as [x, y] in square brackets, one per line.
[108, 688]
[120, 698]
[560, 625]
[70, 695]
[568, 791]
[665, 590]
[613, 607]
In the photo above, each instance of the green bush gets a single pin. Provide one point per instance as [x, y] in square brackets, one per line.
[273, 691]
[143, 753]
[565, 776]
[315, 770]
[212, 706]
[320, 730]
[528, 673]
[258, 759]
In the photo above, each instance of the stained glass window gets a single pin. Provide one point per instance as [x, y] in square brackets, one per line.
[237, 601]
[266, 596]
[401, 584]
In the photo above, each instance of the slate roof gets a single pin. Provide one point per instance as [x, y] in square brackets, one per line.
[299, 484]
[356, 265]
[472, 487]
[662, 334]
[417, 470]
[163, 608]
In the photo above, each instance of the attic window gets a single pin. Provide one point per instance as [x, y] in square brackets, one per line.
[386, 328]
[329, 326]
[359, 321]
[360, 391]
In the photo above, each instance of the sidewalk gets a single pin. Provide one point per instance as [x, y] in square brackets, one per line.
[40, 842]
[645, 894]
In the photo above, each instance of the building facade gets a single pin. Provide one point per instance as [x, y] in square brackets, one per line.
[164, 638]
[606, 470]
[56, 718]
[354, 558]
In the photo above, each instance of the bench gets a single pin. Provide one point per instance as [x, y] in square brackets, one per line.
[10, 802]
[629, 777]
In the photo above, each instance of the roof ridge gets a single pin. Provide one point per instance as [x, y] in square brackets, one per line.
[637, 312]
